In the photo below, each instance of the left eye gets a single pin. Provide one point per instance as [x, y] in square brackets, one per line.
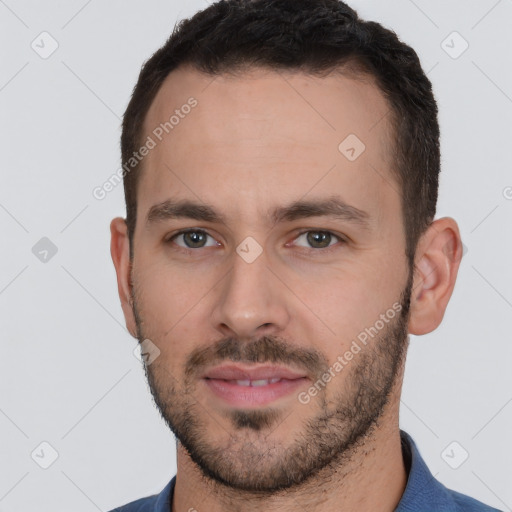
[319, 239]
[193, 239]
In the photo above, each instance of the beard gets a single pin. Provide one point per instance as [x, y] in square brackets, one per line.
[249, 460]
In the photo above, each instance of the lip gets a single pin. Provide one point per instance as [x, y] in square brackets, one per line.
[240, 372]
[221, 381]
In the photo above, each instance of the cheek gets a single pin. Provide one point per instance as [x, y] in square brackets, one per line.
[172, 307]
[344, 303]
[161, 301]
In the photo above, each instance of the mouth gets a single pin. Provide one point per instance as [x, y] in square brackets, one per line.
[252, 386]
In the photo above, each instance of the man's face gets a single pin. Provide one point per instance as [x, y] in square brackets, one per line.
[292, 293]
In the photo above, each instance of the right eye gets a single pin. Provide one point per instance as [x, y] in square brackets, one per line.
[192, 239]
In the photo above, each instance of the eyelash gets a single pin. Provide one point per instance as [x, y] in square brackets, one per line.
[327, 249]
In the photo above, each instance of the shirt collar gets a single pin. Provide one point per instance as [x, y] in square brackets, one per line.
[423, 491]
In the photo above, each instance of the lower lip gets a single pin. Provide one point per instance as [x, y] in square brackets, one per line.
[238, 395]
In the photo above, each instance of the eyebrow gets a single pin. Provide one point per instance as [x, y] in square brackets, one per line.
[333, 207]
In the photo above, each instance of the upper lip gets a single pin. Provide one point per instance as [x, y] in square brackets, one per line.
[237, 372]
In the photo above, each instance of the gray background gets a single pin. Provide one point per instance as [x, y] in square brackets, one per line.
[68, 372]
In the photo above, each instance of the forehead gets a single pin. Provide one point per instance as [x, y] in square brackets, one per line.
[263, 137]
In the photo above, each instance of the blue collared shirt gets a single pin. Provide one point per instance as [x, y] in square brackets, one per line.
[423, 493]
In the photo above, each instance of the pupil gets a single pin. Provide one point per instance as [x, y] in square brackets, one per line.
[319, 236]
[196, 237]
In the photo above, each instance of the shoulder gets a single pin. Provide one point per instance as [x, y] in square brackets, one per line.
[465, 503]
[424, 492]
[141, 505]
[155, 503]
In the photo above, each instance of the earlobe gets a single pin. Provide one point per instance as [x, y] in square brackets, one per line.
[437, 262]
[120, 252]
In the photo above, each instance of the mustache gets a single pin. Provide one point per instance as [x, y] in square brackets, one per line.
[267, 349]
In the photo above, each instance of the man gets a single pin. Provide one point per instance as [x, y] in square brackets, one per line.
[281, 162]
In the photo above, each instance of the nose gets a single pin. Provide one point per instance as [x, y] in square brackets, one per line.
[250, 301]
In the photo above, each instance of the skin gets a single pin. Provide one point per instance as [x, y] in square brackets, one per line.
[254, 142]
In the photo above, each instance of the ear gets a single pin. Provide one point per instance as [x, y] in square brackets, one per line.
[437, 261]
[120, 251]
